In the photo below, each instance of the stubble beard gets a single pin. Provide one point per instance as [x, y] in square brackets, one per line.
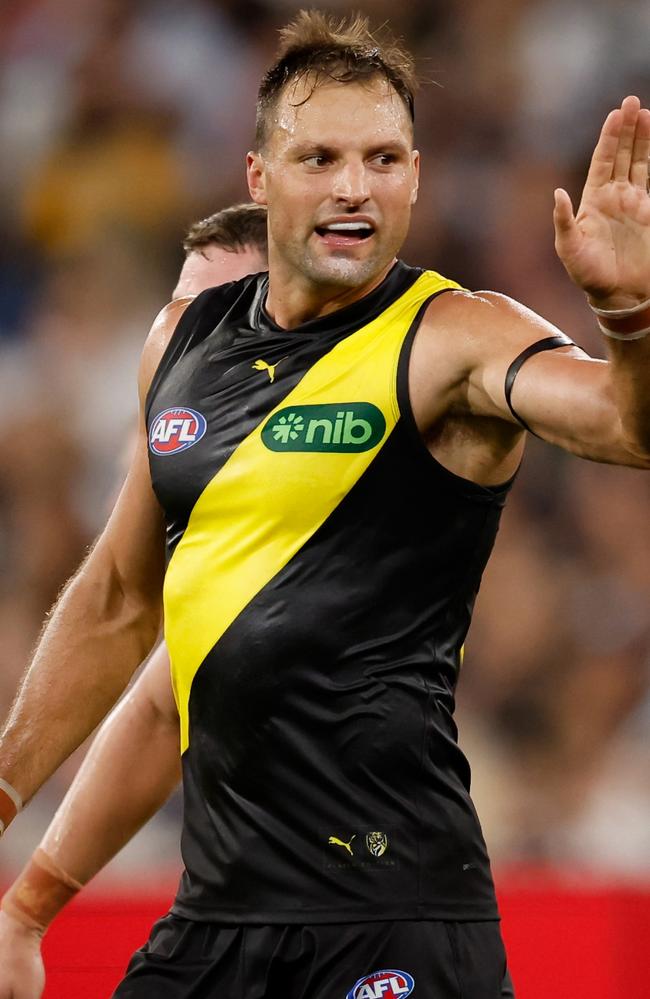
[338, 271]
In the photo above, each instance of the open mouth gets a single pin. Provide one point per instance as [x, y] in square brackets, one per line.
[345, 233]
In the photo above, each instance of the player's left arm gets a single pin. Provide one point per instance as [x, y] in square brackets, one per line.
[597, 409]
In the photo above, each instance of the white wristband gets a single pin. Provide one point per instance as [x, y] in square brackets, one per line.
[13, 794]
[639, 335]
[619, 313]
[10, 804]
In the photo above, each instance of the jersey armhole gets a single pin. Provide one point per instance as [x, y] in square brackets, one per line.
[472, 490]
[189, 323]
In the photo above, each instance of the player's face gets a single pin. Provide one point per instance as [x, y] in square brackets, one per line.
[339, 175]
[212, 265]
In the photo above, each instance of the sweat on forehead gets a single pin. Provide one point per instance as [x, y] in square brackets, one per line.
[361, 105]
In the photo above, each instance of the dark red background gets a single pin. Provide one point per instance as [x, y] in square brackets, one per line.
[581, 941]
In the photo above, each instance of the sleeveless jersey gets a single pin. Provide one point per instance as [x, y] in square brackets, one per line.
[321, 577]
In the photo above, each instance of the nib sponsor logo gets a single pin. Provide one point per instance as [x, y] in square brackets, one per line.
[341, 426]
[175, 430]
[386, 984]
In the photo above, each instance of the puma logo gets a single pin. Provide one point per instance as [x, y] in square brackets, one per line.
[333, 841]
[261, 365]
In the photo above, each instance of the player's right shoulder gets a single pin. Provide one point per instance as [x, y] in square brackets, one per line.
[160, 334]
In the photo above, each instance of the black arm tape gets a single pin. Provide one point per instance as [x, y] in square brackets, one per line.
[548, 343]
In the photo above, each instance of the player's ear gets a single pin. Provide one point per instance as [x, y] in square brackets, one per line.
[256, 177]
[416, 176]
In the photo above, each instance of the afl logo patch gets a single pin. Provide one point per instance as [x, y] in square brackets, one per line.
[386, 984]
[175, 430]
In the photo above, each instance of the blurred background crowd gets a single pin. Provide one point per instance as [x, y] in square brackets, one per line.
[120, 124]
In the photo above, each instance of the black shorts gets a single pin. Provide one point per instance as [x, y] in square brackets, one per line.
[184, 959]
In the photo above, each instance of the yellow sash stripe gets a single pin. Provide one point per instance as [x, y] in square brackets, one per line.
[262, 506]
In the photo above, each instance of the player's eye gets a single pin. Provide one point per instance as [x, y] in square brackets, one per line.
[384, 159]
[316, 160]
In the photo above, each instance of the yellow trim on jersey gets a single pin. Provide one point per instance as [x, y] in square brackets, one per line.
[262, 506]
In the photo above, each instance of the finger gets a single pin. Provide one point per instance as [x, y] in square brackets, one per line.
[630, 113]
[602, 162]
[641, 151]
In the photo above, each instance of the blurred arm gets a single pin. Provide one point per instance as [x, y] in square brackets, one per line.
[131, 769]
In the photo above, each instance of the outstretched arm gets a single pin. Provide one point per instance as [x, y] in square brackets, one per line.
[596, 409]
[587, 405]
[605, 249]
[131, 769]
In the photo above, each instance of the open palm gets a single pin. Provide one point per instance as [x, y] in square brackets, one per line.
[605, 247]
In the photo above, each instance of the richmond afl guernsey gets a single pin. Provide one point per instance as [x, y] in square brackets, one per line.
[322, 573]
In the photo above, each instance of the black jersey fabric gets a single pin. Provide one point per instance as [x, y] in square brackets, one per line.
[322, 775]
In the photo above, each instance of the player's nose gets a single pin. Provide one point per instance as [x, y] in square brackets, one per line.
[350, 184]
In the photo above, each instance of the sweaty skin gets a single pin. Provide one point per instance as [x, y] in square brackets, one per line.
[344, 153]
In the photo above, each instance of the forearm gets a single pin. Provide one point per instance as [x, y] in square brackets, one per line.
[94, 639]
[103, 810]
[629, 366]
[593, 408]
[131, 769]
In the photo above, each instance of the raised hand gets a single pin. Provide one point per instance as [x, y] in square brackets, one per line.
[605, 247]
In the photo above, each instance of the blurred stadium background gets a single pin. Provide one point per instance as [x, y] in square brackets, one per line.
[121, 123]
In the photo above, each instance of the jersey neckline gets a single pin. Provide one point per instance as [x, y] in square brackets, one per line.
[398, 280]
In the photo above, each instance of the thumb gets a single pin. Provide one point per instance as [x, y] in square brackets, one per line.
[567, 232]
[563, 217]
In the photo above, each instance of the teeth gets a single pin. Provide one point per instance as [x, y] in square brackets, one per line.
[348, 226]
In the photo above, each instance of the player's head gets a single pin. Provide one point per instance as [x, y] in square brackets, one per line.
[224, 247]
[335, 142]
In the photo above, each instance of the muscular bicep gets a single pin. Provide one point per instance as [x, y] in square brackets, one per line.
[561, 394]
[566, 398]
[133, 542]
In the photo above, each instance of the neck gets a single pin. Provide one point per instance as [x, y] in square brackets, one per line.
[293, 300]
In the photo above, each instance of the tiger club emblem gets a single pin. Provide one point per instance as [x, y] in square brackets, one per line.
[377, 843]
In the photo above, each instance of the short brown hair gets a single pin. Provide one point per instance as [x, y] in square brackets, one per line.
[345, 51]
[234, 228]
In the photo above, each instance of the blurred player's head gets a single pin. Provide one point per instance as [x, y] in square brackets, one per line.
[335, 161]
[224, 247]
